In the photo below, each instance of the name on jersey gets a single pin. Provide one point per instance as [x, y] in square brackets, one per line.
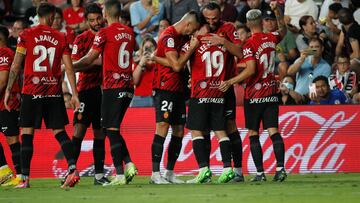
[211, 100]
[46, 38]
[271, 99]
[205, 47]
[264, 46]
[122, 36]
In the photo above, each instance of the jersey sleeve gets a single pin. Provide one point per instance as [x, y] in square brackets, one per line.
[21, 42]
[78, 48]
[6, 59]
[276, 36]
[99, 41]
[248, 52]
[233, 35]
[169, 43]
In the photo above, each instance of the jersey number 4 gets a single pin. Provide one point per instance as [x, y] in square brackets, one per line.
[213, 60]
[44, 53]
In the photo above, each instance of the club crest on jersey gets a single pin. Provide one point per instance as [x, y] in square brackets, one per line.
[35, 80]
[170, 43]
[116, 76]
[258, 86]
[203, 85]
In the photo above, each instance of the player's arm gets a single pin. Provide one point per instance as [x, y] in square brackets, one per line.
[85, 62]
[13, 74]
[216, 40]
[246, 73]
[279, 18]
[3, 79]
[72, 79]
[177, 63]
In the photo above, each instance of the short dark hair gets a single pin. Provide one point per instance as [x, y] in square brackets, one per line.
[317, 39]
[4, 31]
[243, 27]
[344, 55]
[45, 9]
[336, 7]
[345, 16]
[195, 14]
[113, 8]
[92, 8]
[59, 11]
[321, 78]
[125, 14]
[211, 6]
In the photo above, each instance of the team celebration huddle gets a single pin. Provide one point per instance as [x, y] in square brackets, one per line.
[194, 73]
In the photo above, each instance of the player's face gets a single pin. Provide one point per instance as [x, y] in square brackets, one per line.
[269, 25]
[75, 3]
[322, 89]
[243, 34]
[191, 28]
[212, 17]
[343, 64]
[95, 21]
[57, 24]
[17, 28]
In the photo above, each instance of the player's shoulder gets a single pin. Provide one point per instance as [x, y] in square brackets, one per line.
[227, 25]
[84, 35]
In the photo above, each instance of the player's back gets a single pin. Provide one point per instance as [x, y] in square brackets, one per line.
[261, 47]
[208, 69]
[164, 77]
[43, 47]
[116, 42]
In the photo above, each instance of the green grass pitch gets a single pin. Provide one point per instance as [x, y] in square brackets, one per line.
[297, 188]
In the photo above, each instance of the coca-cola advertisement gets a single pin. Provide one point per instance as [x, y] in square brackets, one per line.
[321, 139]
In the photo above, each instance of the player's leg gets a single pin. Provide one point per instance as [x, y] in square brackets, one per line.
[253, 113]
[178, 121]
[9, 123]
[270, 122]
[113, 109]
[233, 134]
[30, 118]
[197, 122]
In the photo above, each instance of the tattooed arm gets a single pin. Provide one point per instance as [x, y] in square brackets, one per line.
[13, 74]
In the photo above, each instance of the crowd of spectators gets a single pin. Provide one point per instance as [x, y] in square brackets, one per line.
[318, 59]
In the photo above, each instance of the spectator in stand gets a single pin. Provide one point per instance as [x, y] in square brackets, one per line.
[309, 30]
[286, 51]
[287, 95]
[308, 66]
[349, 38]
[331, 22]
[228, 11]
[295, 9]
[324, 95]
[202, 3]
[30, 13]
[251, 4]
[59, 25]
[74, 16]
[176, 9]
[143, 91]
[324, 10]
[356, 5]
[164, 23]
[145, 18]
[18, 26]
[344, 79]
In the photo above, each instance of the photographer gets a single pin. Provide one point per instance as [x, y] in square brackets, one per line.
[143, 68]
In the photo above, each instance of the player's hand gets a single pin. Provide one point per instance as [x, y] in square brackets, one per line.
[213, 40]
[273, 5]
[6, 100]
[75, 102]
[225, 85]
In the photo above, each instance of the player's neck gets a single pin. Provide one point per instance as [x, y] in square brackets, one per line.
[113, 20]
[44, 21]
[256, 30]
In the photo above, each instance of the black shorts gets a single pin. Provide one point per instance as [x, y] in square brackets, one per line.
[90, 108]
[230, 104]
[169, 107]
[9, 122]
[256, 110]
[34, 108]
[114, 104]
[206, 114]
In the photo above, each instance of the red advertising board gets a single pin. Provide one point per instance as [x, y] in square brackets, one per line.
[318, 139]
